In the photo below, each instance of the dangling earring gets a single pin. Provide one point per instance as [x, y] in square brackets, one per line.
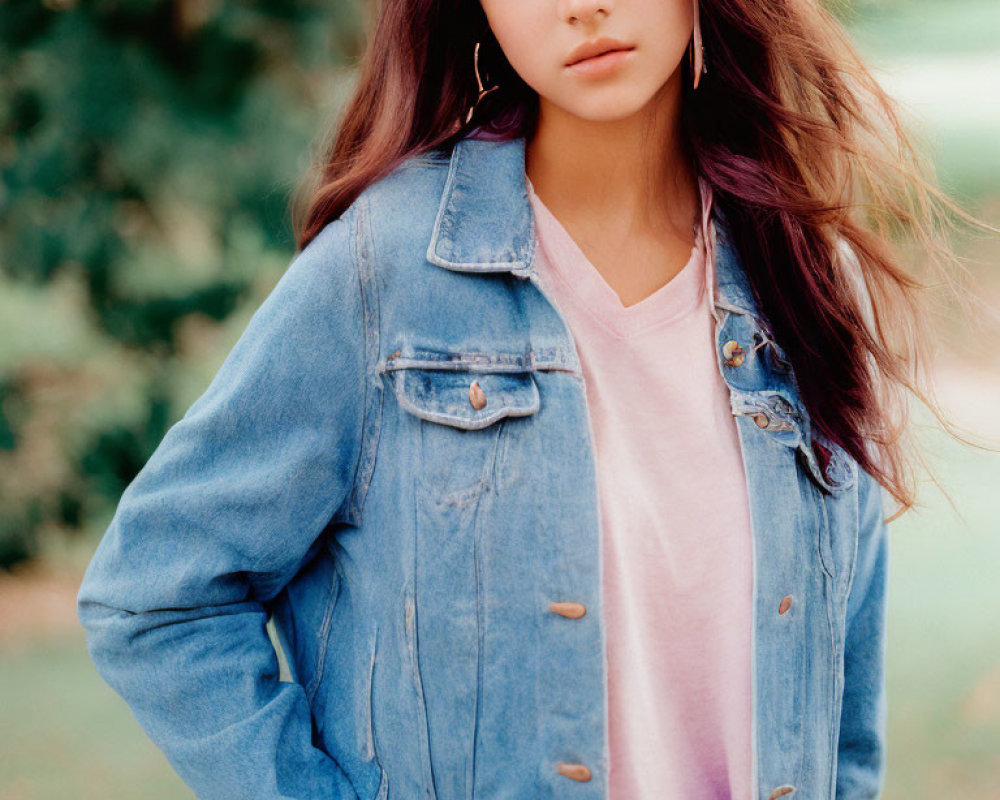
[479, 83]
[698, 67]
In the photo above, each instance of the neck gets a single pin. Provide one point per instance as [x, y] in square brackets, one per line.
[633, 169]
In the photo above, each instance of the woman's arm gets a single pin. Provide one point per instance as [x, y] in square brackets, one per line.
[221, 517]
[861, 750]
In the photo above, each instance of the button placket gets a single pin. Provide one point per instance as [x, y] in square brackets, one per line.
[572, 610]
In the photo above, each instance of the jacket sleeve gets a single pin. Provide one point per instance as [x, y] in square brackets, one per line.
[220, 518]
[861, 753]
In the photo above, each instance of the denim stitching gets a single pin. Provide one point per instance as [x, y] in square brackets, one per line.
[372, 411]
[324, 634]
[383, 786]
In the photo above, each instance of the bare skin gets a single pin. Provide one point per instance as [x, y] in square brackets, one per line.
[607, 157]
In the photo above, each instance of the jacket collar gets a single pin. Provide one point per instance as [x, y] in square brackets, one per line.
[485, 222]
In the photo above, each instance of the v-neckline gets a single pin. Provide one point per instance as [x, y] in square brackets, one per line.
[670, 301]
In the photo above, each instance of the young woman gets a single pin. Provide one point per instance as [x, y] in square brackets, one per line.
[559, 453]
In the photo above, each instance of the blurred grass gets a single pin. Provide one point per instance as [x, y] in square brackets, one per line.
[65, 733]
[943, 667]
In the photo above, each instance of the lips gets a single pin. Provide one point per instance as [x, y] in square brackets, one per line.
[596, 48]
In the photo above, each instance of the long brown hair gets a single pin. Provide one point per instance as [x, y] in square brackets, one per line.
[804, 151]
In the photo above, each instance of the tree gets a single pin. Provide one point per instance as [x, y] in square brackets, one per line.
[148, 150]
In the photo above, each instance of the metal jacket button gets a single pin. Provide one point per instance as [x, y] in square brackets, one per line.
[733, 353]
[577, 772]
[568, 609]
[761, 419]
[786, 602]
[781, 791]
[476, 395]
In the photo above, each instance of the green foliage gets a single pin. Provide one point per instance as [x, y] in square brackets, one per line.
[140, 141]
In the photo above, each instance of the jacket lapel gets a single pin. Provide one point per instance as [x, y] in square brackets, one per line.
[484, 222]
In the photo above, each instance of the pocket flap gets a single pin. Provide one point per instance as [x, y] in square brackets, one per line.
[444, 396]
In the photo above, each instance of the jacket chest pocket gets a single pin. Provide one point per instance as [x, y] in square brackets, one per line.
[459, 425]
[462, 434]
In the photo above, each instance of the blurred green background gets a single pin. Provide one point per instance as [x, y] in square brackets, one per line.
[147, 154]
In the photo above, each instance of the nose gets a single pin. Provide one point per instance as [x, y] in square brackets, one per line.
[584, 10]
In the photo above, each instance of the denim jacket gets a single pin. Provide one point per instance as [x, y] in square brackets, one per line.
[416, 547]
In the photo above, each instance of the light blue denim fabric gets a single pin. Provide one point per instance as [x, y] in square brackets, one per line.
[337, 474]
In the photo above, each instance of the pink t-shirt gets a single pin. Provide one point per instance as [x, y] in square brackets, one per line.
[675, 525]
